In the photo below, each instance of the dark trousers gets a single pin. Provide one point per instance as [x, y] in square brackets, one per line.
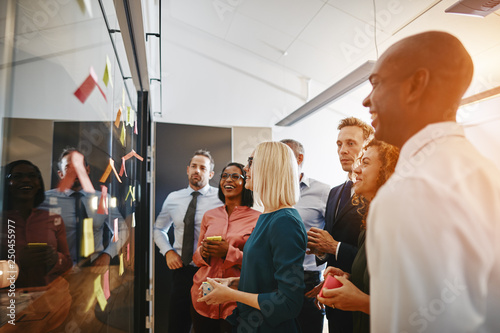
[179, 314]
[202, 324]
[339, 321]
[311, 318]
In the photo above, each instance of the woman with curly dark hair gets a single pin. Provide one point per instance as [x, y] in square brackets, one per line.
[376, 165]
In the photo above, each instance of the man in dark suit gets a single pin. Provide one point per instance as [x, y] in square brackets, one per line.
[337, 243]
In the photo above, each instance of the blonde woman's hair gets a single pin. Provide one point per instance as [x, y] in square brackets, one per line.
[275, 175]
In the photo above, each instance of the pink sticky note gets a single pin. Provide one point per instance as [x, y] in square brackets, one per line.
[128, 252]
[115, 235]
[135, 127]
[105, 286]
[123, 170]
[103, 201]
[86, 88]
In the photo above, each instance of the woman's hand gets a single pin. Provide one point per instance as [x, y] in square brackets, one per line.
[211, 248]
[347, 298]
[220, 293]
[313, 293]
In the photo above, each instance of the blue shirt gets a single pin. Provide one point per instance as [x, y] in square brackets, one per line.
[173, 211]
[63, 203]
[311, 207]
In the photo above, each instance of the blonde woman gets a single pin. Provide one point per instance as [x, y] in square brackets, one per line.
[271, 286]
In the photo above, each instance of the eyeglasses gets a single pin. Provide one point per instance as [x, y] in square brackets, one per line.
[21, 175]
[234, 176]
[250, 161]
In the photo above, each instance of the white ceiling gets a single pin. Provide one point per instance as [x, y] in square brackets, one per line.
[252, 62]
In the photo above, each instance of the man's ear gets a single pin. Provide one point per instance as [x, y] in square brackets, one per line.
[300, 159]
[211, 175]
[60, 174]
[87, 168]
[417, 84]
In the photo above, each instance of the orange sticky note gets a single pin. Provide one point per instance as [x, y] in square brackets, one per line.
[118, 118]
[103, 201]
[109, 168]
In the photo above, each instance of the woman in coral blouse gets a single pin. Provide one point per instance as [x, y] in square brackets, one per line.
[233, 223]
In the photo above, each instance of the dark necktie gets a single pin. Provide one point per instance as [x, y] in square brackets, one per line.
[80, 215]
[345, 197]
[188, 237]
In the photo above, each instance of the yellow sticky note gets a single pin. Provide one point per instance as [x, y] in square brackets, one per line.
[88, 238]
[107, 73]
[122, 136]
[99, 293]
[121, 269]
[132, 118]
[128, 114]
[214, 238]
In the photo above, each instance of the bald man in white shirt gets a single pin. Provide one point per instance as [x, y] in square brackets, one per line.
[433, 229]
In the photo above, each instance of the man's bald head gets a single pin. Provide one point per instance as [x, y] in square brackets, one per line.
[418, 81]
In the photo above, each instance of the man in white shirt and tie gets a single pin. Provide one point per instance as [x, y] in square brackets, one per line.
[184, 209]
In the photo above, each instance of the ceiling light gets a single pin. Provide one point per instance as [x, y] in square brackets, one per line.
[337, 90]
[482, 96]
[474, 7]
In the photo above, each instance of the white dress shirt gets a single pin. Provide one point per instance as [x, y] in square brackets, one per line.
[173, 211]
[433, 238]
[311, 208]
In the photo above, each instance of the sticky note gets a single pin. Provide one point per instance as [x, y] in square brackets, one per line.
[103, 201]
[105, 284]
[122, 136]
[121, 269]
[133, 220]
[118, 118]
[88, 237]
[135, 128]
[99, 293]
[106, 78]
[86, 88]
[128, 252]
[122, 169]
[109, 168]
[131, 192]
[115, 230]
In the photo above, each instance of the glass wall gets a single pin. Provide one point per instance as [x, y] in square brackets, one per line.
[72, 169]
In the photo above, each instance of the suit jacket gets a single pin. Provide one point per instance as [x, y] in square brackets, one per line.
[344, 228]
